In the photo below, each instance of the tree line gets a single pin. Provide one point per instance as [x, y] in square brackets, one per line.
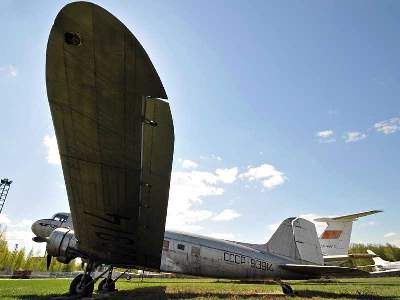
[28, 260]
[387, 252]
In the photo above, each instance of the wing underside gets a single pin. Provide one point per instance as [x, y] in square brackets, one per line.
[115, 136]
[317, 270]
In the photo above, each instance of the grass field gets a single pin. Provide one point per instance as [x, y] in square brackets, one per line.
[379, 288]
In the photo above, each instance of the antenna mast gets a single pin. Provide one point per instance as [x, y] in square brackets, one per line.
[4, 188]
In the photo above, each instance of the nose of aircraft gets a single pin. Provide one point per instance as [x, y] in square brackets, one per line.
[36, 228]
[42, 229]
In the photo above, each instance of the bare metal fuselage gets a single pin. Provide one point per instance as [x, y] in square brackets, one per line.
[198, 255]
[207, 257]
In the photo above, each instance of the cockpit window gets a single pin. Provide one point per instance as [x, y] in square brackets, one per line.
[61, 218]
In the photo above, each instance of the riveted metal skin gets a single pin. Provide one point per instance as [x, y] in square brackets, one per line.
[102, 87]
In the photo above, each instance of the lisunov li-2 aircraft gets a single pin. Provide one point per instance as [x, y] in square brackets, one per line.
[115, 138]
[293, 252]
[335, 239]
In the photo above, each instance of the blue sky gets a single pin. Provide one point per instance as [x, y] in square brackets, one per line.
[280, 109]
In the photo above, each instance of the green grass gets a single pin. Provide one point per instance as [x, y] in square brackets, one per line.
[366, 288]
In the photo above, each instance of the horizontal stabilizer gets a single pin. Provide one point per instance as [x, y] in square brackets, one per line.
[348, 218]
[323, 270]
[387, 273]
[337, 258]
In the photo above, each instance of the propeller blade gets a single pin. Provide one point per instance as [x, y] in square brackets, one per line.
[48, 262]
[39, 239]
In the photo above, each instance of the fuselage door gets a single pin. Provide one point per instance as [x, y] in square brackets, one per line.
[195, 260]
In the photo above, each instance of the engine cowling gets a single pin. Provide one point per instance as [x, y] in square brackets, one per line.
[62, 244]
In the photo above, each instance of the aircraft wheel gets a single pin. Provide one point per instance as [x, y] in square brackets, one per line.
[287, 290]
[83, 290]
[106, 285]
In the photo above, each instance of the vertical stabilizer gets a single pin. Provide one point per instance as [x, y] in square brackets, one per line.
[296, 239]
[335, 240]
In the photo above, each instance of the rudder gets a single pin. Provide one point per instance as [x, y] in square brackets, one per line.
[297, 239]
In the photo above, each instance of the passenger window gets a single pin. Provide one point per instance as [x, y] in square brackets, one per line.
[181, 247]
[166, 245]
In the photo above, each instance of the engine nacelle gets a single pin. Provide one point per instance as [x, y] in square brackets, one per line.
[62, 244]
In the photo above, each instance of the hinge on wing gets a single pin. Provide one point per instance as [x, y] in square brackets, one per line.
[146, 185]
[150, 122]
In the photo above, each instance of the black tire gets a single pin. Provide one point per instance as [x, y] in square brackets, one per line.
[287, 290]
[106, 285]
[83, 290]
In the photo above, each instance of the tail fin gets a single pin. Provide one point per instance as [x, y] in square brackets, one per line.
[377, 260]
[297, 239]
[335, 239]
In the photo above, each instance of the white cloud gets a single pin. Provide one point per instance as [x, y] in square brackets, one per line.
[354, 136]
[188, 164]
[53, 156]
[326, 136]
[227, 175]
[267, 174]
[222, 235]
[388, 126]
[19, 233]
[9, 70]
[226, 215]
[4, 220]
[325, 133]
[188, 188]
[389, 234]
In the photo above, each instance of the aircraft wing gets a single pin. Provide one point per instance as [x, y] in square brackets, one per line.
[115, 142]
[317, 270]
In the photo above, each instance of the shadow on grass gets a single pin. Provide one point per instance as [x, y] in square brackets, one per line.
[369, 284]
[330, 295]
[158, 293]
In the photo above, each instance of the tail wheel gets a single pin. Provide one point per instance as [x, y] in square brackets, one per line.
[106, 285]
[82, 285]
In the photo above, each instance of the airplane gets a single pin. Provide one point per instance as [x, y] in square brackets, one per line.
[383, 266]
[293, 252]
[335, 239]
[115, 137]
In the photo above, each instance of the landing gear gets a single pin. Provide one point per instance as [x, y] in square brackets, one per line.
[287, 290]
[82, 285]
[107, 284]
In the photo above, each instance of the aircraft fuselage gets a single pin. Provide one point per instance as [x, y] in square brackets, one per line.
[203, 256]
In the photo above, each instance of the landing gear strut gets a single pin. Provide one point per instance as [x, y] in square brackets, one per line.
[286, 289]
[107, 284]
[83, 284]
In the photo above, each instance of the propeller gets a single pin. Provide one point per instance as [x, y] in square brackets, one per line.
[39, 239]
